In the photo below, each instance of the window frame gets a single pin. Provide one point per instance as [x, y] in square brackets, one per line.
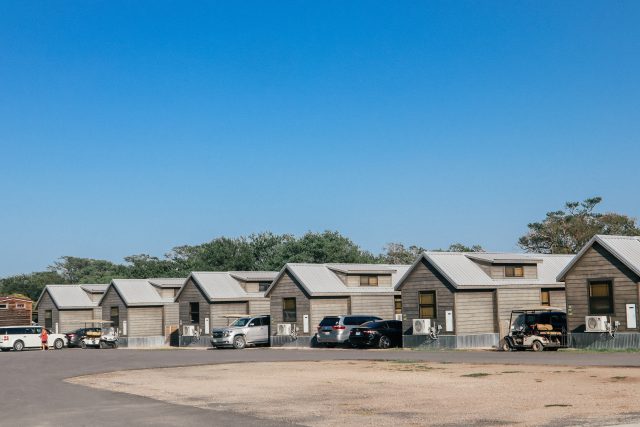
[48, 321]
[194, 320]
[434, 305]
[396, 299]
[612, 304]
[21, 306]
[513, 267]
[542, 301]
[289, 314]
[368, 278]
[116, 323]
[4, 306]
[263, 286]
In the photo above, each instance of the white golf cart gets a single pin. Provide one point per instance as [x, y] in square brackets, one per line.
[105, 337]
[537, 328]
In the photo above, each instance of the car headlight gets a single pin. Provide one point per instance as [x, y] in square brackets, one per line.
[226, 333]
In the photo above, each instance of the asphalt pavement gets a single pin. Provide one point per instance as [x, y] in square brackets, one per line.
[33, 391]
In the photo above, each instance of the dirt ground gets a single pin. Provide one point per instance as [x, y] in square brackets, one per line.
[365, 393]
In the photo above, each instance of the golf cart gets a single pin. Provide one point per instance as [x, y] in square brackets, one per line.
[538, 328]
[99, 334]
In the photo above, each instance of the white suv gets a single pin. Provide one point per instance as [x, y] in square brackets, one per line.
[21, 337]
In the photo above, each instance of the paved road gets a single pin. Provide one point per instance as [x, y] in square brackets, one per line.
[34, 392]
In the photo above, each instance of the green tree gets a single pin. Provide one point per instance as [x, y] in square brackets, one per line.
[87, 270]
[567, 231]
[398, 253]
[30, 285]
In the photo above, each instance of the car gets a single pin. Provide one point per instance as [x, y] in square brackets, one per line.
[19, 338]
[75, 337]
[243, 332]
[334, 330]
[378, 333]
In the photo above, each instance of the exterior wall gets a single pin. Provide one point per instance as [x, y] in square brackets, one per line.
[171, 317]
[321, 307]
[166, 292]
[70, 320]
[46, 303]
[257, 307]
[286, 287]
[145, 321]
[94, 297]
[13, 315]
[475, 312]
[597, 263]
[557, 298]
[530, 271]
[112, 299]
[425, 278]
[189, 294]
[377, 305]
[251, 286]
[508, 299]
[218, 310]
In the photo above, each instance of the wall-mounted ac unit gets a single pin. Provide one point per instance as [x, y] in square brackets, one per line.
[398, 317]
[596, 323]
[284, 329]
[421, 326]
[188, 330]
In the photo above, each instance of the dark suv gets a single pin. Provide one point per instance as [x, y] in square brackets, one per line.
[75, 336]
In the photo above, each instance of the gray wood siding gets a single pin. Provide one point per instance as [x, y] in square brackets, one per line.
[112, 299]
[557, 298]
[509, 299]
[171, 315]
[474, 312]
[190, 294]
[425, 278]
[321, 307]
[46, 303]
[595, 264]
[218, 310]
[257, 307]
[71, 320]
[145, 321]
[377, 305]
[286, 287]
[94, 297]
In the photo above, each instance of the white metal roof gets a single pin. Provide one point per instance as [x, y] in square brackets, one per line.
[167, 282]
[624, 248]
[138, 292]
[69, 296]
[460, 269]
[320, 279]
[225, 286]
[95, 288]
[254, 276]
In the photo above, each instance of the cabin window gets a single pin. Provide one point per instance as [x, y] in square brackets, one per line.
[601, 297]
[263, 286]
[427, 305]
[545, 298]
[4, 306]
[20, 306]
[368, 280]
[194, 312]
[48, 319]
[289, 313]
[114, 316]
[514, 271]
[397, 302]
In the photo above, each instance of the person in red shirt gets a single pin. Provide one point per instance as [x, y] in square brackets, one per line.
[44, 336]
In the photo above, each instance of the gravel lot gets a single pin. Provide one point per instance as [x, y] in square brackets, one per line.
[386, 393]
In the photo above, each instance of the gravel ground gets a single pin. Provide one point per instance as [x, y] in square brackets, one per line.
[392, 393]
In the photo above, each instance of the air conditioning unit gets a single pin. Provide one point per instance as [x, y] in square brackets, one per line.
[596, 323]
[284, 329]
[398, 317]
[188, 330]
[421, 326]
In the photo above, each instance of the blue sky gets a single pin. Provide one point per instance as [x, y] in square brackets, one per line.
[133, 127]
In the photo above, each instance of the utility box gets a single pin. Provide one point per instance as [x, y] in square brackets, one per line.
[305, 323]
[632, 322]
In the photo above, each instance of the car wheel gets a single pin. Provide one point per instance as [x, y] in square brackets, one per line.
[58, 344]
[102, 345]
[83, 344]
[384, 342]
[239, 342]
[506, 346]
[537, 346]
[18, 345]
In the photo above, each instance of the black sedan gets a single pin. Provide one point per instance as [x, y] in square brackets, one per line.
[75, 336]
[379, 333]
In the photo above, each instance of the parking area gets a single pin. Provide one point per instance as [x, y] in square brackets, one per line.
[45, 399]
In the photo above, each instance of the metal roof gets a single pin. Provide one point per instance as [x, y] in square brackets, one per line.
[624, 248]
[95, 288]
[69, 296]
[321, 280]
[254, 276]
[460, 269]
[223, 285]
[167, 282]
[137, 292]
[505, 258]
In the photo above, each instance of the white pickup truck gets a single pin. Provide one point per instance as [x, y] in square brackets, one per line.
[21, 337]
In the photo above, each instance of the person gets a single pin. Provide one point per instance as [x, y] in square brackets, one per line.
[44, 337]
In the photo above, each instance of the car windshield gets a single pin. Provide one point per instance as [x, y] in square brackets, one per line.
[329, 321]
[518, 323]
[241, 322]
[373, 324]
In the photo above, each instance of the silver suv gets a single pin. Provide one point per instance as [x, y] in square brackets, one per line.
[335, 329]
[244, 331]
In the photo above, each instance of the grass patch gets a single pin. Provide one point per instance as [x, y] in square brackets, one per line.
[618, 378]
[557, 405]
[476, 375]
[511, 372]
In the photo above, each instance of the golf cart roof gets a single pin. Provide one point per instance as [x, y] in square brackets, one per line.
[100, 321]
[541, 308]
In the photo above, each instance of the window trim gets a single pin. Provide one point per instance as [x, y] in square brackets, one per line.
[50, 319]
[111, 316]
[191, 312]
[396, 299]
[4, 306]
[542, 302]
[369, 277]
[286, 314]
[514, 267]
[434, 305]
[612, 301]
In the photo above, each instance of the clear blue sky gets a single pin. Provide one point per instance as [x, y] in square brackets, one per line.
[133, 127]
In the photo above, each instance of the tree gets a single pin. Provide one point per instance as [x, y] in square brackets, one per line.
[459, 247]
[397, 253]
[87, 270]
[30, 285]
[567, 231]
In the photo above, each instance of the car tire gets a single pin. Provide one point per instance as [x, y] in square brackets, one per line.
[537, 346]
[18, 345]
[506, 346]
[102, 345]
[58, 344]
[384, 342]
[239, 342]
[83, 345]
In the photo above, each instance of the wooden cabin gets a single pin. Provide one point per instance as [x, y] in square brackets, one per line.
[65, 308]
[15, 311]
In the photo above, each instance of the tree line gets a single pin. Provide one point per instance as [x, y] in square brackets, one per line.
[562, 231]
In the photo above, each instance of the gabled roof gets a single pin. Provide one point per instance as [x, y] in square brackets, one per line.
[71, 296]
[624, 248]
[225, 285]
[321, 280]
[137, 292]
[462, 271]
[167, 282]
